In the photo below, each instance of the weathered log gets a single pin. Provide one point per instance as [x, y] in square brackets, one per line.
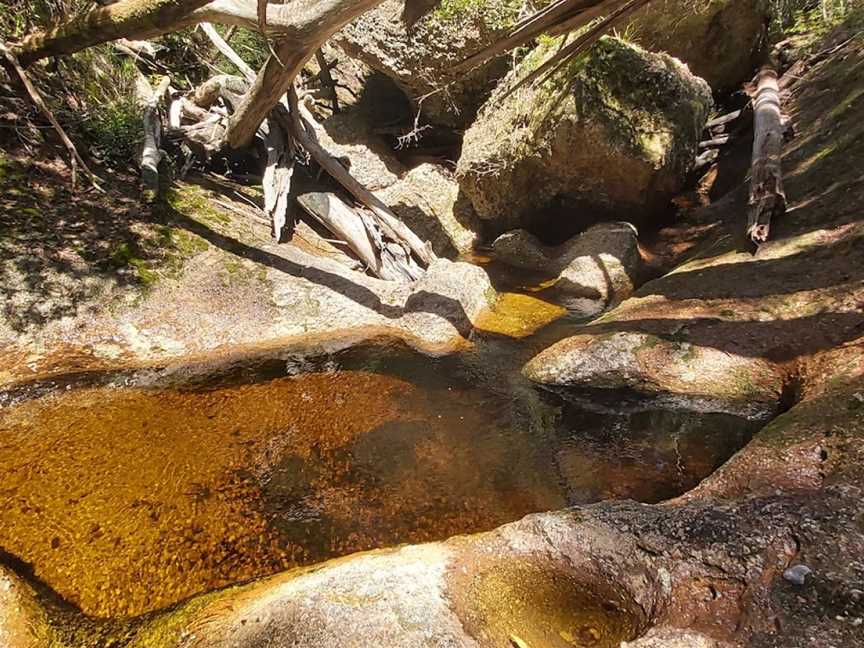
[149, 100]
[326, 79]
[277, 177]
[124, 19]
[225, 86]
[381, 259]
[75, 160]
[311, 29]
[704, 160]
[723, 119]
[227, 51]
[767, 198]
[720, 140]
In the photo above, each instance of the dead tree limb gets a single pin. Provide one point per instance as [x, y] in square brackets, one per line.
[150, 102]
[327, 79]
[227, 51]
[278, 173]
[767, 198]
[361, 236]
[124, 19]
[75, 159]
[311, 29]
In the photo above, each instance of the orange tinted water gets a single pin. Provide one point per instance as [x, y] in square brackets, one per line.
[129, 500]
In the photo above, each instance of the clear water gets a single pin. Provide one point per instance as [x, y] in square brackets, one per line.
[127, 500]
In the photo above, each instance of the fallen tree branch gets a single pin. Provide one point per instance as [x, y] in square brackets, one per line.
[132, 19]
[278, 173]
[767, 197]
[227, 51]
[75, 159]
[349, 226]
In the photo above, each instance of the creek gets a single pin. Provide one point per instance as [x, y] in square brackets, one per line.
[130, 494]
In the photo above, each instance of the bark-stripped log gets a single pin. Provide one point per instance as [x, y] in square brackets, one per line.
[303, 130]
[360, 235]
[321, 21]
[277, 177]
[227, 51]
[149, 100]
[767, 198]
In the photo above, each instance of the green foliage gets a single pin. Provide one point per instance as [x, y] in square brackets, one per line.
[811, 17]
[498, 14]
[114, 131]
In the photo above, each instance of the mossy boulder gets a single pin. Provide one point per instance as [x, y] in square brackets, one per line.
[721, 40]
[421, 59]
[613, 133]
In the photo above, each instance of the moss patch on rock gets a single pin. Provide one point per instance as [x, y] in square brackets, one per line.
[616, 130]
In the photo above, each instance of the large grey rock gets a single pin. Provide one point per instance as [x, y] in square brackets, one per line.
[604, 267]
[613, 134]
[721, 41]
[421, 60]
[427, 199]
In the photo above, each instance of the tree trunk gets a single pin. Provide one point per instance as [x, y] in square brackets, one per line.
[311, 30]
[123, 19]
[767, 198]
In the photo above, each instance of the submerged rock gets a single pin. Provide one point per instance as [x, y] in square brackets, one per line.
[427, 199]
[421, 60]
[720, 41]
[614, 133]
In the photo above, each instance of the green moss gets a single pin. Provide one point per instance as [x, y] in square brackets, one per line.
[496, 14]
[193, 202]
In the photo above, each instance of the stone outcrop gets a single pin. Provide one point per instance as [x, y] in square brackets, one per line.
[427, 199]
[752, 330]
[420, 60]
[720, 41]
[613, 134]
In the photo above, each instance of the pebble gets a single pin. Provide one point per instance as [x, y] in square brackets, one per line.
[797, 574]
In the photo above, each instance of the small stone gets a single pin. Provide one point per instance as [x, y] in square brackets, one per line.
[797, 574]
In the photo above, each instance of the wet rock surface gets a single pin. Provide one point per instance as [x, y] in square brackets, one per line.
[615, 134]
[595, 270]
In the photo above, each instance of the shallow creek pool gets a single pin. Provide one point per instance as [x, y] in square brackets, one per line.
[128, 499]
